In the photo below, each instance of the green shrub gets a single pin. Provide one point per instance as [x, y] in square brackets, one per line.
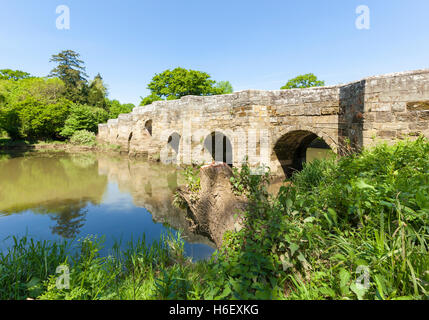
[83, 117]
[335, 223]
[83, 137]
[32, 119]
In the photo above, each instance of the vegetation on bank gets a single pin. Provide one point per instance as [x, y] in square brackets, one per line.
[355, 228]
[55, 107]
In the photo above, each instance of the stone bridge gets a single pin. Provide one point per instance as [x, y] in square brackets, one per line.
[274, 128]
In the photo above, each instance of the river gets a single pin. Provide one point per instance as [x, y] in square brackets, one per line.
[57, 196]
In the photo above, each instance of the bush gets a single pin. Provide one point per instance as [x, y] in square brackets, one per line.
[32, 119]
[83, 117]
[83, 137]
[357, 228]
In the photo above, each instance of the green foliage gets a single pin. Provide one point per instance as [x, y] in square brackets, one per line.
[83, 137]
[45, 90]
[180, 82]
[84, 117]
[97, 93]
[225, 87]
[304, 81]
[116, 108]
[32, 108]
[244, 181]
[32, 119]
[192, 177]
[150, 99]
[368, 213]
[8, 74]
[71, 71]
[192, 184]
[329, 223]
[41, 108]
[28, 269]
[25, 265]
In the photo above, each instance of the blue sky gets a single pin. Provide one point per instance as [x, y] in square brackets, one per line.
[253, 44]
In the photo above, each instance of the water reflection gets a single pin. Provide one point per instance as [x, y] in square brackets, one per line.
[89, 194]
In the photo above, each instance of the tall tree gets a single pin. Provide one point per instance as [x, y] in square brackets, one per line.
[180, 82]
[304, 81]
[71, 70]
[97, 93]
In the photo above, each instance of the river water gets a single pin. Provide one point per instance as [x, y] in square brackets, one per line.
[54, 196]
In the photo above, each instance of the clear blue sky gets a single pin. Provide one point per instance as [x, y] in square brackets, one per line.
[253, 44]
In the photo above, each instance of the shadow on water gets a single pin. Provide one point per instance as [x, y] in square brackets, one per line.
[58, 196]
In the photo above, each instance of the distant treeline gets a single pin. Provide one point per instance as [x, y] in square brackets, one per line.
[56, 106]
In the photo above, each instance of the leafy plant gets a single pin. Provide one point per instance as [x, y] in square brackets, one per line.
[83, 137]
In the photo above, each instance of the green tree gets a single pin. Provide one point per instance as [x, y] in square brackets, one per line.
[32, 108]
[10, 122]
[39, 120]
[180, 82]
[84, 117]
[224, 87]
[71, 70]
[97, 93]
[42, 89]
[8, 74]
[304, 81]
[150, 99]
[33, 119]
[116, 108]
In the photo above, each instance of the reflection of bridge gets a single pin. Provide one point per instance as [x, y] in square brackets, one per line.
[276, 125]
[151, 187]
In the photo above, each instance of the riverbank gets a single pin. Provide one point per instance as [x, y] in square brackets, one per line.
[7, 145]
[356, 228]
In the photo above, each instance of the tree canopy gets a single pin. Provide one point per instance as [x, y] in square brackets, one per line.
[8, 74]
[180, 82]
[303, 81]
[97, 93]
[225, 87]
[34, 108]
[71, 70]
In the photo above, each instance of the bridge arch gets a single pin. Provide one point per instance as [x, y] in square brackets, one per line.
[290, 147]
[148, 126]
[174, 142]
[171, 147]
[219, 145]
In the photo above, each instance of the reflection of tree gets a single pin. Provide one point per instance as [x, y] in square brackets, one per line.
[69, 215]
[43, 179]
[70, 220]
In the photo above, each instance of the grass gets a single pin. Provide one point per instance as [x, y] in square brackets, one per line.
[29, 269]
[356, 228]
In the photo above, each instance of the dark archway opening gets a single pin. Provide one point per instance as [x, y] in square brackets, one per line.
[296, 148]
[148, 126]
[174, 142]
[129, 140]
[220, 147]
